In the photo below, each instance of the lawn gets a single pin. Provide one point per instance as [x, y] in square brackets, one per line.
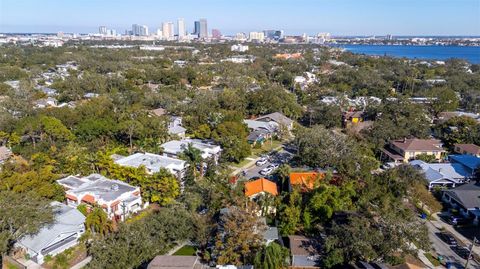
[186, 251]
[433, 260]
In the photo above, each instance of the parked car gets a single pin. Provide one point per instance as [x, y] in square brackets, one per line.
[454, 220]
[463, 252]
[448, 238]
[378, 265]
[262, 161]
[266, 171]
[273, 166]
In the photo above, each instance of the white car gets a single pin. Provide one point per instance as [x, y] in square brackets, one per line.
[262, 161]
[266, 171]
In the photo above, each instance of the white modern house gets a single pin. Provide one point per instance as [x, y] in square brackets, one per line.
[54, 238]
[118, 199]
[154, 162]
[175, 147]
[175, 127]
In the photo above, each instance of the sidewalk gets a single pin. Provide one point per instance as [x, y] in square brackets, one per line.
[82, 263]
[439, 224]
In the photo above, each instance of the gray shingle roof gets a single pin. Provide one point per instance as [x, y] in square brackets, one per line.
[467, 195]
[276, 117]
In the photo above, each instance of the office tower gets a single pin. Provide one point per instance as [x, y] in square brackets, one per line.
[273, 34]
[102, 30]
[181, 28]
[240, 37]
[203, 33]
[196, 28]
[111, 32]
[256, 36]
[139, 30]
[216, 34]
[168, 30]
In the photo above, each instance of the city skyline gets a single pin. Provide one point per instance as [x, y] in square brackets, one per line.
[342, 17]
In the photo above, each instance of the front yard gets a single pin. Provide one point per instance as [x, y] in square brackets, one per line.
[186, 250]
[66, 259]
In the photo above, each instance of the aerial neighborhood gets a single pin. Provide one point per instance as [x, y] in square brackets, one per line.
[235, 154]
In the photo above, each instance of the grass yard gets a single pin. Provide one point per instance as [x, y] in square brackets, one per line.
[433, 260]
[186, 251]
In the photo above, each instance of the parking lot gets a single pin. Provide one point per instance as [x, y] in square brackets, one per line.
[278, 158]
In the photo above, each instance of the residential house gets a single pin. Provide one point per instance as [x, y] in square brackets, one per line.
[175, 127]
[352, 117]
[470, 149]
[405, 150]
[158, 112]
[442, 174]
[153, 163]
[260, 131]
[466, 199]
[45, 102]
[260, 187]
[278, 118]
[305, 252]
[118, 199]
[176, 147]
[305, 180]
[445, 116]
[54, 238]
[470, 162]
[175, 262]
[5, 154]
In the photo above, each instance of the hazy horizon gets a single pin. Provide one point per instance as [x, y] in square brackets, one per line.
[338, 17]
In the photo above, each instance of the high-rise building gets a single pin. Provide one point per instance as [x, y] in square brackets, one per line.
[182, 31]
[256, 36]
[102, 30]
[203, 33]
[240, 37]
[196, 28]
[216, 34]
[139, 30]
[273, 34]
[168, 30]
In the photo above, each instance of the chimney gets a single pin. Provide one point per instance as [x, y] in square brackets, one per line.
[404, 140]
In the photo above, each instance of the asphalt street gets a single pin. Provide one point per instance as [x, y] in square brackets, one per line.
[441, 248]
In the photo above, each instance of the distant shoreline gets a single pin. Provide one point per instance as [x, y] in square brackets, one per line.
[419, 52]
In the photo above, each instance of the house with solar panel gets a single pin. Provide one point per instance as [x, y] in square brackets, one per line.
[117, 198]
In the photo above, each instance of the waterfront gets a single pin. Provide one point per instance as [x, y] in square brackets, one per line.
[471, 54]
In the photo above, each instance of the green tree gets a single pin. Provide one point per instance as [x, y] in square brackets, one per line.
[21, 214]
[97, 221]
[272, 256]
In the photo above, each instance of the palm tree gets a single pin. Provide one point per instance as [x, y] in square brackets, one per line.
[98, 221]
[194, 158]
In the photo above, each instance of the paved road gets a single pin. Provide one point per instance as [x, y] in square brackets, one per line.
[281, 157]
[441, 248]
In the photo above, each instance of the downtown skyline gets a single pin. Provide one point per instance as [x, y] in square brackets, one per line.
[342, 17]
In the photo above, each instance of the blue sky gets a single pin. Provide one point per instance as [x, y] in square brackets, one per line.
[339, 17]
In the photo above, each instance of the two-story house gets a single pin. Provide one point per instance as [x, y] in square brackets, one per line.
[118, 199]
[405, 150]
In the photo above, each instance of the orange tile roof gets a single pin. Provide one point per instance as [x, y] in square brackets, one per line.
[305, 179]
[89, 199]
[259, 186]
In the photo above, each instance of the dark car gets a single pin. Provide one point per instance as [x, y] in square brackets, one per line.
[378, 265]
[463, 252]
[448, 238]
[457, 221]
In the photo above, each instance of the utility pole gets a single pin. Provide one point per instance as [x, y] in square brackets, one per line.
[471, 250]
